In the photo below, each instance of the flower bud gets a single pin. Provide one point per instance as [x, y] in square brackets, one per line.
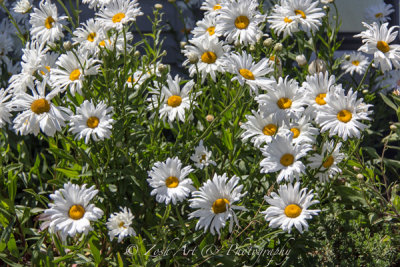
[393, 127]
[136, 54]
[278, 47]
[162, 67]
[193, 58]
[252, 48]
[67, 45]
[268, 42]
[316, 66]
[210, 118]
[158, 6]
[360, 176]
[301, 60]
[365, 91]
[355, 168]
[347, 57]
[182, 44]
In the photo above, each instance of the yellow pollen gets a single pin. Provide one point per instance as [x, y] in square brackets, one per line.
[174, 101]
[292, 211]
[320, 99]
[242, 22]
[76, 212]
[48, 23]
[300, 12]
[344, 116]
[211, 30]
[172, 182]
[75, 74]
[296, 132]
[118, 17]
[209, 57]
[272, 58]
[284, 103]
[383, 46]
[91, 36]
[203, 158]
[378, 15]
[217, 6]
[287, 20]
[40, 106]
[102, 43]
[287, 160]
[219, 205]
[92, 122]
[355, 62]
[328, 162]
[247, 74]
[130, 79]
[47, 68]
[121, 224]
[269, 129]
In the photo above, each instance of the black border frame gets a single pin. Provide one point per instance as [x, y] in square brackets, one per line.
[352, 43]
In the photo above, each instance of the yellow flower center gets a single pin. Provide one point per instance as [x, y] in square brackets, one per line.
[328, 162]
[48, 23]
[203, 158]
[121, 224]
[287, 20]
[300, 12]
[211, 30]
[76, 212]
[383, 46]
[219, 205]
[172, 182]
[296, 132]
[217, 6]
[75, 74]
[247, 74]
[174, 101]
[378, 15]
[320, 99]
[292, 211]
[118, 17]
[91, 36]
[209, 57]
[284, 103]
[287, 160]
[355, 62]
[269, 129]
[344, 116]
[47, 68]
[92, 122]
[242, 22]
[40, 106]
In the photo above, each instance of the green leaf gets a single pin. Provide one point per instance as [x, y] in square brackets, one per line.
[12, 246]
[95, 249]
[68, 172]
[389, 102]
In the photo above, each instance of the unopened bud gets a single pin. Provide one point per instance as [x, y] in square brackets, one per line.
[396, 92]
[162, 67]
[393, 127]
[240, 123]
[347, 57]
[301, 60]
[210, 118]
[355, 168]
[278, 47]
[252, 48]
[193, 58]
[365, 91]
[360, 176]
[158, 6]
[268, 42]
[136, 54]
[316, 66]
[182, 44]
[67, 45]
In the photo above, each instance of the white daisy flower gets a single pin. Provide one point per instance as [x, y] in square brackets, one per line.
[248, 72]
[284, 156]
[71, 212]
[285, 100]
[119, 224]
[379, 12]
[211, 55]
[92, 121]
[72, 71]
[137, 79]
[377, 41]
[305, 12]
[170, 181]
[172, 101]
[342, 114]
[327, 161]
[32, 58]
[5, 108]
[89, 35]
[206, 27]
[261, 129]
[117, 13]
[23, 6]
[290, 208]
[93, 4]
[316, 87]
[281, 22]
[202, 157]
[239, 21]
[38, 112]
[212, 6]
[48, 62]
[117, 43]
[389, 81]
[302, 129]
[356, 63]
[214, 203]
[46, 24]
